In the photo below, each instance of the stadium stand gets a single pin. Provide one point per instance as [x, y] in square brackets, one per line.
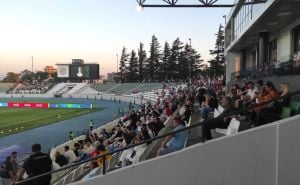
[104, 87]
[4, 87]
[154, 120]
[34, 87]
[123, 88]
[146, 87]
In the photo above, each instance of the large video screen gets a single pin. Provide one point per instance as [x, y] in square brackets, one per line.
[84, 71]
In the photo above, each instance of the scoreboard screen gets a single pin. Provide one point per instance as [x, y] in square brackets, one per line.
[79, 71]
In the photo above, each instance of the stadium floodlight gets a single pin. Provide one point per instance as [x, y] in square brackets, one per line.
[197, 4]
[139, 8]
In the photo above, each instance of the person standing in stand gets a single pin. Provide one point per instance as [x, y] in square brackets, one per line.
[91, 125]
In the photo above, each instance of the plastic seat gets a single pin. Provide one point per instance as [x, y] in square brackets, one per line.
[286, 112]
[295, 107]
[232, 128]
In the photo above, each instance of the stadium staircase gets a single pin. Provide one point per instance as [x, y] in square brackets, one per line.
[78, 88]
[68, 88]
[112, 89]
[55, 89]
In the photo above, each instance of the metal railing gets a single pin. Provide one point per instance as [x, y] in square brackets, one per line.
[219, 118]
[281, 69]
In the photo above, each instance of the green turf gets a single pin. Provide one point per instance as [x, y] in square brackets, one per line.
[14, 120]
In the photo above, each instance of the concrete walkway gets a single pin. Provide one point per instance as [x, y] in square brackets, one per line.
[195, 135]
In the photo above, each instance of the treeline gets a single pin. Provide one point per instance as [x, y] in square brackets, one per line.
[178, 61]
[26, 76]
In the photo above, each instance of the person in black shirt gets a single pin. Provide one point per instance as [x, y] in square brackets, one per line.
[37, 163]
[227, 104]
[61, 160]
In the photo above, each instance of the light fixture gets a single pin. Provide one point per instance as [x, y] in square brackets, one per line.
[272, 23]
[282, 14]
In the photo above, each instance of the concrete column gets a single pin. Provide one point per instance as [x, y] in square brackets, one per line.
[243, 59]
[263, 48]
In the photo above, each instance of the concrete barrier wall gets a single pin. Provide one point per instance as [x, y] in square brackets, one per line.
[267, 155]
[96, 96]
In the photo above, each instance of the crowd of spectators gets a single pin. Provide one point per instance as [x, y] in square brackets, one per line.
[136, 126]
[34, 86]
[146, 122]
[251, 97]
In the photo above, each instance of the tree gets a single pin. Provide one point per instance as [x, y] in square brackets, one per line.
[165, 60]
[217, 63]
[123, 68]
[133, 67]
[11, 77]
[26, 75]
[141, 61]
[173, 67]
[41, 75]
[154, 58]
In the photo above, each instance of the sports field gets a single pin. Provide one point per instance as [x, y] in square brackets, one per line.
[14, 120]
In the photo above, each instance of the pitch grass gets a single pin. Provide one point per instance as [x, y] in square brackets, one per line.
[15, 120]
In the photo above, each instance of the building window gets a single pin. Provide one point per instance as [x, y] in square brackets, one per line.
[273, 51]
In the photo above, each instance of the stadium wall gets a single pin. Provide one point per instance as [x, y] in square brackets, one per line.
[267, 155]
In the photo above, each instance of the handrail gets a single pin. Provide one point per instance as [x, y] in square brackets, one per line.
[103, 156]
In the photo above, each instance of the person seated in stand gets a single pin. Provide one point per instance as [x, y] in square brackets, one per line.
[176, 141]
[60, 159]
[7, 175]
[259, 85]
[132, 155]
[235, 91]
[70, 155]
[210, 104]
[102, 151]
[265, 114]
[251, 93]
[228, 106]
[285, 91]
[158, 125]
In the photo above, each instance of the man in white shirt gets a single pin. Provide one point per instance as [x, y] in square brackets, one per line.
[251, 91]
[70, 155]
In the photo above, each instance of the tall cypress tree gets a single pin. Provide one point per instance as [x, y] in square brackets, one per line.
[154, 58]
[123, 68]
[165, 61]
[141, 61]
[133, 67]
[217, 63]
[174, 59]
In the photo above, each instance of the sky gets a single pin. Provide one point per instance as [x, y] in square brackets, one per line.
[56, 31]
